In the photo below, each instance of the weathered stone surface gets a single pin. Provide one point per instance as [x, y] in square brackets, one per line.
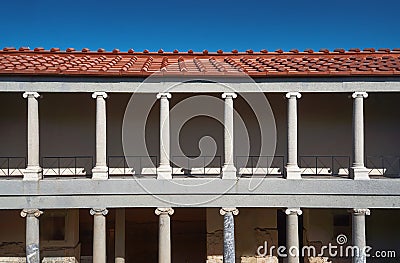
[59, 260]
[266, 259]
[215, 242]
[318, 260]
[12, 259]
[215, 259]
[45, 260]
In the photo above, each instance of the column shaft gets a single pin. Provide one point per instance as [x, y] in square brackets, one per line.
[33, 170]
[32, 235]
[229, 234]
[100, 171]
[99, 235]
[358, 170]
[120, 235]
[229, 169]
[292, 168]
[164, 234]
[359, 234]
[292, 234]
[164, 170]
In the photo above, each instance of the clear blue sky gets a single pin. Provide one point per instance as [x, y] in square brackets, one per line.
[198, 25]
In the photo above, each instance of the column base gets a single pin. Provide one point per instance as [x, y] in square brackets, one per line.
[359, 173]
[164, 172]
[293, 172]
[229, 172]
[33, 173]
[100, 173]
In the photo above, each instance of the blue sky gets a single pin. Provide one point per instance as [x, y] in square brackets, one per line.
[198, 25]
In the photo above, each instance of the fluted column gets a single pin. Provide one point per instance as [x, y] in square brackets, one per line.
[358, 169]
[292, 234]
[292, 167]
[99, 234]
[358, 234]
[100, 171]
[164, 170]
[229, 169]
[32, 235]
[33, 170]
[229, 233]
[164, 234]
[120, 235]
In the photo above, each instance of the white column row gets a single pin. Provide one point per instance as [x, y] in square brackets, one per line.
[33, 170]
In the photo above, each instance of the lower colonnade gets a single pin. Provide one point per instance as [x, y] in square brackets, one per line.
[32, 217]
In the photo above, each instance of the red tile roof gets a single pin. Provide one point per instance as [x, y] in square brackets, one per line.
[53, 62]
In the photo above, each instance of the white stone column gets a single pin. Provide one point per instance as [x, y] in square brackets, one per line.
[229, 169]
[358, 233]
[292, 167]
[99, 234]
[100, 171]
[229, 233]
[358, 169]
[164, 234]
[164, 170]
[120, 235]
[32, 235]
[33, 170]
[292, 234]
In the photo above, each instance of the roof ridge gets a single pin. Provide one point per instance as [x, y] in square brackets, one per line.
[204, 52]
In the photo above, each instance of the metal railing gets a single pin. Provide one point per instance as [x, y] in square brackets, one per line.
[260, 165]
[132, 165]
[388, 166]
[12, 166]
[324, 165]
[67, 165]
[196, 165]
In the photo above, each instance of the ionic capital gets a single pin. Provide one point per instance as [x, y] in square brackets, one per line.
[293, 95]
[99, 211]
[30, 94]
[99, 94]
[230, 95]
[360, 211]
[359, 95]
[224, 210]
[293, 211]
[164, 211]
[31, 212]
[164, 95]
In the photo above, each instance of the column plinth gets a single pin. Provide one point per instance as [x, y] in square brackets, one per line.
[358, 171]
[292, 233]
[229, 169]
[164, 234]
[229, 233]
[292, 168]
[33, 171]
[100, 171]
[164, 170]
[358, 233]
[32, 234]
[99, 234]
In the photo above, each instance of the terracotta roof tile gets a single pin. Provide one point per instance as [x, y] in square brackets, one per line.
[380, 62]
